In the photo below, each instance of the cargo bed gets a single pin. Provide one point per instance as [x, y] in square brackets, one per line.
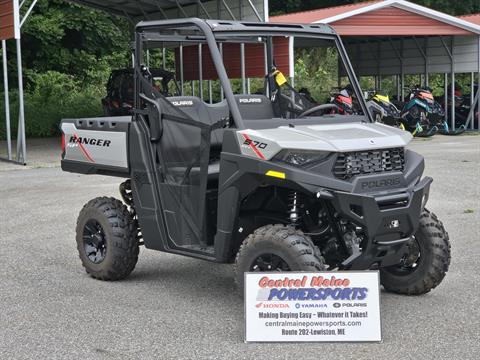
[96, 145]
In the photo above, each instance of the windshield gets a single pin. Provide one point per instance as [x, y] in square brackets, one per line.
[271, 76]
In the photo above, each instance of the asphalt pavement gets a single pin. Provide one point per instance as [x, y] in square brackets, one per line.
[173, 307]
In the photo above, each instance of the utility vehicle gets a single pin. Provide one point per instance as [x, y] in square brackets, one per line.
[256, 180]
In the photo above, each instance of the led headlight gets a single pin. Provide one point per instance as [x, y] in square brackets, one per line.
[300, 157]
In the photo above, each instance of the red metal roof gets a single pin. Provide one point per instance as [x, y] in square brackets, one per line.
[473, 18]
[394, 21]
[395, 18]
[307, 17]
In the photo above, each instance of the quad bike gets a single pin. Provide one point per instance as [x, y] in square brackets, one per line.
[241, 181]
[384, 111]
[420, 114]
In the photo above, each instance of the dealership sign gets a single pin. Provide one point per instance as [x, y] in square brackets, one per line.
[312, 307]
[9, 19]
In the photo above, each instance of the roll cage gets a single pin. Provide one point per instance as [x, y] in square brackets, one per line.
[212, 32]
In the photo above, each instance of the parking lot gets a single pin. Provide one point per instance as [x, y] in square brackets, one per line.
[174, 307]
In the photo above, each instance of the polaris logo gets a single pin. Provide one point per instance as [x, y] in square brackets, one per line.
[183, 103]
[375, 184]
[250, 101]
[89, 141]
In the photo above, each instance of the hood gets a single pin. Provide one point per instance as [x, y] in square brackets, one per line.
[348, 137]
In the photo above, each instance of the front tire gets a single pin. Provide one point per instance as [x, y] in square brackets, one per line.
[426, 263]
[107, 239]
[276, 248]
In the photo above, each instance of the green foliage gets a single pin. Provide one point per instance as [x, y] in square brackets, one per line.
[54, 97]
[68, 53]
[316, 69]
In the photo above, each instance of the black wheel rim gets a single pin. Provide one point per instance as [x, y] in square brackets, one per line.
[94, 242]
[269, 262]
[410, 261]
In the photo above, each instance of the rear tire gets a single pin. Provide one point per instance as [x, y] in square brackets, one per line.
[107, 239]
[426, 271]
[276, 248]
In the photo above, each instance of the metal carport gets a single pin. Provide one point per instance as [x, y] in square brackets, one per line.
[396, 37]
[135, 11]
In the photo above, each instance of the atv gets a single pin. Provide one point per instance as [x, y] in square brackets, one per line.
[248, 181]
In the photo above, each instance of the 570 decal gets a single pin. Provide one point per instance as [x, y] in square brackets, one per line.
[257, 144]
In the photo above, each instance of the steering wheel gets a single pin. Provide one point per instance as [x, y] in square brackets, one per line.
[318, 108]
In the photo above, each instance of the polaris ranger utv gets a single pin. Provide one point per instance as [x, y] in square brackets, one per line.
[270, 182]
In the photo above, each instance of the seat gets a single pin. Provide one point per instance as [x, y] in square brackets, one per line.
[254, 107]
[187, 141]
[205, 113]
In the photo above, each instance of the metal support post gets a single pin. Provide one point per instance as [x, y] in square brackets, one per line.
[445, 95]
[200, 68]
[472, 93]
[210, 92]
[255, 10]
[7, 99]
[181, 69]
[242, 66]
[21, 141]
[453, 85]
[222, 95]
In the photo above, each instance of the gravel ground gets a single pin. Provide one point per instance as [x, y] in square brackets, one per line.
[179, 308]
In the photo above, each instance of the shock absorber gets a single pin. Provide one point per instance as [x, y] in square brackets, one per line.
[294, 204]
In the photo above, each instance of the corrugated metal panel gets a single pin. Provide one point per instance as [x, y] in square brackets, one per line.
[149, 10]
[367, 60]
[473, 18]
[394, 21]
[254, 60]
[307, 17]
[7, 25]
[240, 9]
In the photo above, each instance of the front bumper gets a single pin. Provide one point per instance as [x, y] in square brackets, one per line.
[389, 222]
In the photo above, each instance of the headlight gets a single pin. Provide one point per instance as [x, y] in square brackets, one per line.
[300, 157]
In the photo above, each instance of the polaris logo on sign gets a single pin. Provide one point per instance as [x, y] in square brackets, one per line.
[250, 101]
[183, 103]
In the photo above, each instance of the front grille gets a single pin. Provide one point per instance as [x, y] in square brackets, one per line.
[352, 164]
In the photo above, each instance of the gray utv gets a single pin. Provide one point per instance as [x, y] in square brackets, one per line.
[270, 181]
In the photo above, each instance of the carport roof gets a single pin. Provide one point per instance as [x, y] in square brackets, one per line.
[134, 8]
[473, 18]
[385, 18]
